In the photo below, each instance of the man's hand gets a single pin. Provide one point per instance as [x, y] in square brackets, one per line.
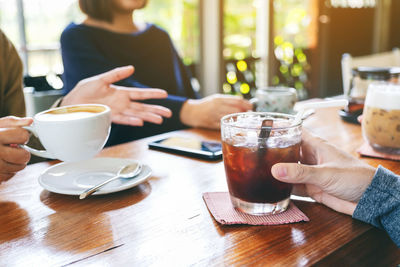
[208, 111]
[100, 90]
[327, 174]
[12, 157]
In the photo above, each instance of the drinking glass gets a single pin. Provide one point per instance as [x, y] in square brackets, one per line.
[249, 155]
[381, 117]
[275, 99]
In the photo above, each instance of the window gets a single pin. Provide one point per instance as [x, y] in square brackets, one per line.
[180, 18]
[44, 20]
[239, 46]
[278, 42]
[294, 32]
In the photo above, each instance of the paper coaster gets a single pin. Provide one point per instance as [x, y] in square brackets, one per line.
[368, 151]
[221, 208]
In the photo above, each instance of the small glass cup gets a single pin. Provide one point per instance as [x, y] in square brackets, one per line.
[275, 99]
[248, 159]
[381, 117]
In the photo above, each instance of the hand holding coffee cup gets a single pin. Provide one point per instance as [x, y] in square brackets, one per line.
[13, 158]
[275, 99]
[71, 133]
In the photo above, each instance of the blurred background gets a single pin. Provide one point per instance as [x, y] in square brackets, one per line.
[230, 46]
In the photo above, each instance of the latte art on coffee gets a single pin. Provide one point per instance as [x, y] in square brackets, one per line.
[70, 113]
[64, 116]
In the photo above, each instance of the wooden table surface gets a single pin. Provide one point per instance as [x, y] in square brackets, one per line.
[164, 221]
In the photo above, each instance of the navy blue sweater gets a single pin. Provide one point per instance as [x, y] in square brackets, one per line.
[88, 51]
[380, 203]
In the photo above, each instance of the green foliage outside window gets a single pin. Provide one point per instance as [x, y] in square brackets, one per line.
[291, 37]
[239, 47]
[45, 20]
[180, 18]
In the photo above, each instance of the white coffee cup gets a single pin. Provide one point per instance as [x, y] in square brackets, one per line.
[71, 133]
[275, 99]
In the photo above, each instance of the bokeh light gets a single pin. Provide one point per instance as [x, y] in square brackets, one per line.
[244, 88]
[231, 77]
[239, 55]
[275, 80]
[227, 88]
[296, 70]
[298, 85]
[278, 40]
[283, 69]
[241, 65]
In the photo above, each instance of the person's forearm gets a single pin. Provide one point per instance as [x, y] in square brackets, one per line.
[380, 203]
[188, 113]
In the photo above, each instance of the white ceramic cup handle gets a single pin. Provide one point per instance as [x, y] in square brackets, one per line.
[39, 153]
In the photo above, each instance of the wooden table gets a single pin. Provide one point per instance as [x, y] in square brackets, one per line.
[164, 222]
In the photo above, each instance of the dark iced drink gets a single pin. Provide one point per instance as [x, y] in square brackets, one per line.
[248, 160]
[248, 172]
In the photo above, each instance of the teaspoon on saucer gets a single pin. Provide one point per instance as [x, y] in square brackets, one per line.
[127, 171]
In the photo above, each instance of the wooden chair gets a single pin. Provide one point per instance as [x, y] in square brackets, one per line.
[36, 101]
[39, 95]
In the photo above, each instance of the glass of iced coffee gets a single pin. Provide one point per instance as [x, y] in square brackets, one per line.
[381, 117]
[249, 152]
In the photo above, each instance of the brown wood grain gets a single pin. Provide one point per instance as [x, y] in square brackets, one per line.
[164, 221]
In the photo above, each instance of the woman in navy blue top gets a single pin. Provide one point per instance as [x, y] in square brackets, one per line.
[109, 38]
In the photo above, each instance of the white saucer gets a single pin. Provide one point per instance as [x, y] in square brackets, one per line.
[74, 177]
